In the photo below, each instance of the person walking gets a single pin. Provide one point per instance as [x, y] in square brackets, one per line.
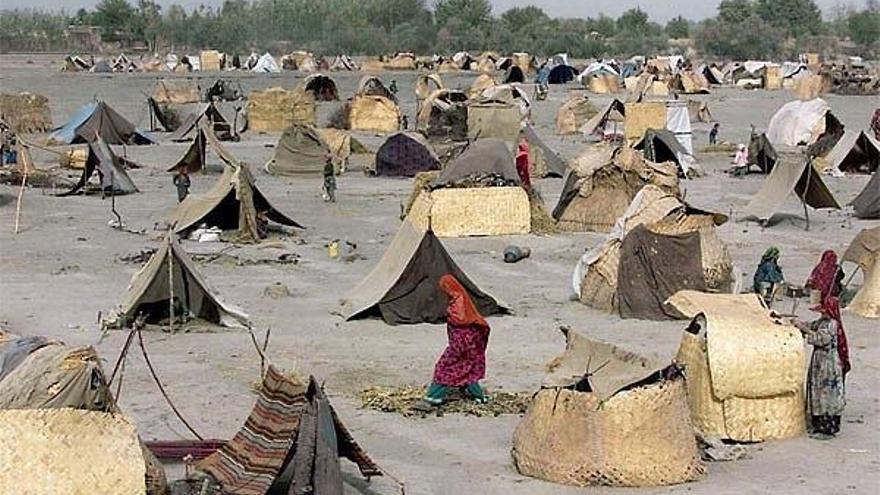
[329, 179]
[182, 182]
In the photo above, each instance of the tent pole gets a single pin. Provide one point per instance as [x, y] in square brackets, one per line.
[24, 177]
[170, 285]
[806, 189]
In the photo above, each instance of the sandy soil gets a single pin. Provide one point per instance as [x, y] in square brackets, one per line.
[61, 270]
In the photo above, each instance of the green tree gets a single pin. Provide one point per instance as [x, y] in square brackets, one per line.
[465, 13]
[114, 18]
[632, 20]
[518, 18]
[678, 27]
[735, 11]
[864, 27]
[795, 18]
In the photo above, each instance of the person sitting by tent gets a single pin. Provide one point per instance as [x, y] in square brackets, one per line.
[329, 179]
[182, 182]
[463, 363]
[826, 277]
[741, 159]
[393, 87]
[262, 221]
[828, 368]
[523, 167]
[713, 134]
[768, 277]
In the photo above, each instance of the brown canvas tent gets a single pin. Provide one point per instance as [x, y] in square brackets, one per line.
[573, 114]
[790, 175]
[443, 115]
[493, 118]
[373, 86]
[300, 150]
[762, 153]
[204, 113]
[606, 416]
[98, 119]
[609, 120]
[111, 170]
[865, 252]
[232, 203]
[405, 154]
[290, 443]
[195, 157]
[867, 203]
[855, 153]
[661, 145]
[402, 288]
[150, 291]
[483, 157]
[322, 88]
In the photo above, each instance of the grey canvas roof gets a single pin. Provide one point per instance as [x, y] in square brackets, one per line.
[203, 113]
[855, 152]
[867, 203]
[556, 167]
[790, 175]
[481, 157]
[195, 156]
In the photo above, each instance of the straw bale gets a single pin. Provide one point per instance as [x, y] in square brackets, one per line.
[179, 91]
[276, 109]
[53, 451]
[25, 113]
[374, 113]
[603, 84]
[573, 114]
[638, 437]
[74, 158]
[773, 77]
[808, 88]
[209, 60]
[460, 212]
[659, 88]
[867, 301]
[643, 116]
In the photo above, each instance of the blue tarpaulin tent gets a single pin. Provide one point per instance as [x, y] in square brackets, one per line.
[99, 120]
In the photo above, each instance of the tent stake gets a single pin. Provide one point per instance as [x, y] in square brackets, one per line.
[20, 194]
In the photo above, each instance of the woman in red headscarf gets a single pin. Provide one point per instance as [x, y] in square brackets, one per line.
[826, 276]
[828, 368]
[463, 363]
[523, 166]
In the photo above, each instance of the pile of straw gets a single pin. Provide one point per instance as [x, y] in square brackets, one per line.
[25, 112]
[401, 400]
[276, 109]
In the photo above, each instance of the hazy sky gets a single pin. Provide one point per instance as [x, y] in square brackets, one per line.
[657, 9]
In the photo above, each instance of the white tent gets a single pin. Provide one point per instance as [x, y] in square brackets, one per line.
[266, 63]
[798, 122]
[678, 120]
[599, 68]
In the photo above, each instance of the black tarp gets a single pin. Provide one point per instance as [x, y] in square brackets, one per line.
[322, 87]
[514, 75]
[562, 74]
[660, 145]
[652, 268]
[867, 203]
[481, 158]
[405, 155]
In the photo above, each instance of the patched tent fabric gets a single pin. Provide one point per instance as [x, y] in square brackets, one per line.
[856, 153]
[208, 114]
[790, 175]
[195, 157]
[867, 203]
[865, 252]
[493, 118]
[110, 169]
[99, 120]
[402, 288]
[290, 443]
[482, 157]
[799, 122]
[322, 87]
[609, 120]
[745, 368]
[661, 145]
[573, 114]
[299, 150]
[443, 115]
[606, 416]
[405, 154]
[232, 203]
[652, 268]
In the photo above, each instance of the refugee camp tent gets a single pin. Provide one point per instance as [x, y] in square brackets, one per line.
[745, 368]
[266, 63]
[867, 203]
[401, 61]
[373, 113]
[606, 416]
[99, 120]
[485, 63]
[224, 90]
[299, 60]
[405, 154]
[290, 443]
[75, 63]
[482, 82]
[672, 115]
[101, 66]
[514, 75]
[573, 114]
[597, 68]
[762, 153]
[608, 121]
[494, 117]
[443, 115]
[402, 288]
[561, 74]
[177, 91]
[194, 159]
[276, 109]
[110, 169]
[808, 123]
[322, 87]
[712, 74]
[149, 294]
[661, 145]
[596, 277]
[865, 252]
[427, 84]
[300, 149]
[602, 183]
[689, 83]
[232, 203]
[855, 153]
[25, 113]
[373, 86]
[208, 114]
[544, 161]
[343, 62]
[791, 174]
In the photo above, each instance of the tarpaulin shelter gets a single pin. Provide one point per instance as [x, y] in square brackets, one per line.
[444, 115]
[405, 154]
[111, 170]
[373, 113]
[343, 63]
[609, 121]
[497, 118]
[606, 416]
[867, 203]
[790, 175]
[195, 157]
[595, 279]
[290, 443]
[300, 150]
[661, 145]
[514, 75]
[25, 113]
[601, 184]
[232, 203]
[545, 162]
[865, 252]
[266, 63]
[712, 74]
[150, 291]
[75, 63]
[99, 119]
[483, 157]
[373, 86]
[762, 153]
[209, 115]
[745, 367]
[855, 153]
[808, 123]
[402, 288]
[323, 88]
[597, 69]
[573, 114]
[427, 84]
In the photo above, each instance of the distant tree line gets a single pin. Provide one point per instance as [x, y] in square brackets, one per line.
[741, 29]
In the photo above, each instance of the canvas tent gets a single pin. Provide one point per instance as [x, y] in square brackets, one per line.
[232, 203]
[791, 174]
[804, 123]
[98, 119]
[150, 291]
[489, 117]
[689, 83]
[867, 203]
[561, 74]
[266, 63]
[300, 149]
[762, 153]
[443, 115]
[545, 162]
[573, 114]
[209, 115]
[322, 88]
[405, 154]
[373, 86]
[427, 84]
[864, 251]
[602, 183]
[661, 145]
[745, 368]
[195, 157]
[343, 63]
[110, 169]
[855, 153]
[514, 75]
[608, 121]
[606, 416]
[402, 288]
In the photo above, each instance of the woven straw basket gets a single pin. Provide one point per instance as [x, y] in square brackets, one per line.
[475, 211]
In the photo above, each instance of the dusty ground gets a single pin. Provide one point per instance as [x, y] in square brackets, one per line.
[60, 271]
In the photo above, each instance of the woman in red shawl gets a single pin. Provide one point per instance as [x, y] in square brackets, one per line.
[523, 167]
[826, 276]
[463, 363]
[829, 364]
